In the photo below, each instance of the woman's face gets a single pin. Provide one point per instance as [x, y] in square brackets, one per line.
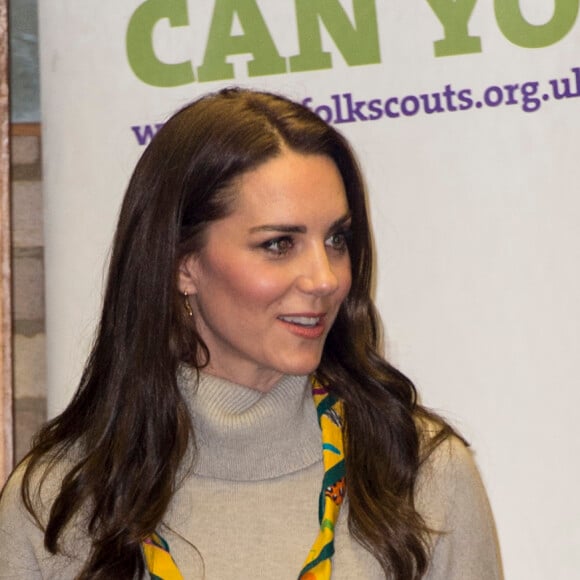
[267, 285]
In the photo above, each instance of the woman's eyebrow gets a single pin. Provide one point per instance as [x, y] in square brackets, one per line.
[295, 229]
[283, 228]
[341, 221]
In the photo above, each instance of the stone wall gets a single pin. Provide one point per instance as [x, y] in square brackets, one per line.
[28, 286]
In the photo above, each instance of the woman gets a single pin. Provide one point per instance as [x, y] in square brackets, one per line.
[235, 388]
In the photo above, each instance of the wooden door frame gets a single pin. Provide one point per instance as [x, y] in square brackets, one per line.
[6, 378]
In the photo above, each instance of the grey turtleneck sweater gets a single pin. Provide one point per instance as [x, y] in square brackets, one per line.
[248, 507]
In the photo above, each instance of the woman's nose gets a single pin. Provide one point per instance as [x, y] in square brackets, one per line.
[318, 276]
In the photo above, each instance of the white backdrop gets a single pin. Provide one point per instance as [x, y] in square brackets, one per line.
[475, 206]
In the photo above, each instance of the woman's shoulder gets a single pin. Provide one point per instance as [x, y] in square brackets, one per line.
[11, 503]
[20, 534]
[442, 449]
[447, 471]
[451, 497]
[22, 550]
[41, 486]
[43, 481]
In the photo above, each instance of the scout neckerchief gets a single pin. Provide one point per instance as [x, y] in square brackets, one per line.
[318, 566]
[159, 562]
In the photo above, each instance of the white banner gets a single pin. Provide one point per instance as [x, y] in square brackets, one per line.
[465, 116]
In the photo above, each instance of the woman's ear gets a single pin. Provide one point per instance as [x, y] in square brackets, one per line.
[188, 274]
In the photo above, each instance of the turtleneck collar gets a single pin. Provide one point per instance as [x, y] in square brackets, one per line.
[246, 435]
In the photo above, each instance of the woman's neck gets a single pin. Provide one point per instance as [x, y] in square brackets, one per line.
[246, 435]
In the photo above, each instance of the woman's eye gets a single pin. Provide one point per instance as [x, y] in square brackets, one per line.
[279, 246]
[338, 241]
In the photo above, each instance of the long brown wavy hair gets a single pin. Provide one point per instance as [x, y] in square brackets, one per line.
[124, 458]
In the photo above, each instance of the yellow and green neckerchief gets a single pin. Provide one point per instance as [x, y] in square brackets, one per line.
[318, 564]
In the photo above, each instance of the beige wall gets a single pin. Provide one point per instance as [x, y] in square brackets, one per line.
[28, 286]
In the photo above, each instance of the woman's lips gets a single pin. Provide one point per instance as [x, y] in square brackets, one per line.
[304, 325]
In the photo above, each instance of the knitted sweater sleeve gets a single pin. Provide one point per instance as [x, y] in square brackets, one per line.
[452, 498]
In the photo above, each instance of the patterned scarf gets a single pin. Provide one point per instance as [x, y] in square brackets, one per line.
[159, 562]
[318, 564]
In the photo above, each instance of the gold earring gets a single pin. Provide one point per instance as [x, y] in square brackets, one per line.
[187, 304]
